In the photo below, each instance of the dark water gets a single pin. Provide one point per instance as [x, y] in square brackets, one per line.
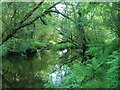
[28, 72]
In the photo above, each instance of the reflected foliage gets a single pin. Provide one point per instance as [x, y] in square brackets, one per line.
[60, 44]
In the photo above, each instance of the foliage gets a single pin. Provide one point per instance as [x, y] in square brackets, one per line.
[98, 72]
[60, 44]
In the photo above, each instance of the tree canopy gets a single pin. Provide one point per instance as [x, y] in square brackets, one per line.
[78, 42]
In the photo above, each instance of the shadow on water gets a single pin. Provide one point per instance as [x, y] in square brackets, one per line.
[27, 72]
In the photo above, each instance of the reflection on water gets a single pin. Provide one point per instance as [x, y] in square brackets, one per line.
[62, 52]
[29, 71]
[57, 76]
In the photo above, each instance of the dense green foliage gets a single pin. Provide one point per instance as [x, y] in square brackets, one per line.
[100, 71]
[79, 39]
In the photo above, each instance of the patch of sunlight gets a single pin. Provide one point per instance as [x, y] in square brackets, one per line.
[62, 52]
[60, 7]
[52, 42]
[36, 75]
[111, 4]
[58, 74]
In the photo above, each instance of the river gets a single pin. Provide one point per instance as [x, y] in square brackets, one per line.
[29, 72]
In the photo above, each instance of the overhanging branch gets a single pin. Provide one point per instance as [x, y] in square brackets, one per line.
[32, 11]
[62, 15]
[31, 22]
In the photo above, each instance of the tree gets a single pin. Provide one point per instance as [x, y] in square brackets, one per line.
[40, 39]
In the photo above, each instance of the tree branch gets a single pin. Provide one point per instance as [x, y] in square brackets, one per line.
[43, 21]
[73, 41]
[31, 12]
[31, 22]
[15, 30]
[62, 15]
[46, 11]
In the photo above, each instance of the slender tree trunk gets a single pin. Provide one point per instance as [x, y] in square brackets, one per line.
[81, 38]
